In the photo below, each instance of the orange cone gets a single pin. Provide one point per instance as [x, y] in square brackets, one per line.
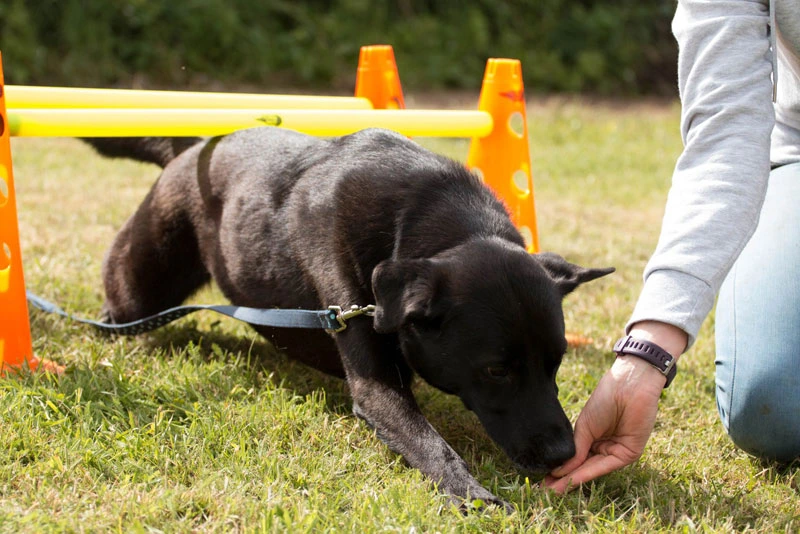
[15, 332]
[502, 158]
[377, 78]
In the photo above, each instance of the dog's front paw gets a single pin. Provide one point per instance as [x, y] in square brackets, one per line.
[478, 498]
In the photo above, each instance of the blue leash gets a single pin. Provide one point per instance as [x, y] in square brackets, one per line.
[333, 319]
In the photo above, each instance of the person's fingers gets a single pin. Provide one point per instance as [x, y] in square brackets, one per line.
[571, 464]
[594, 466]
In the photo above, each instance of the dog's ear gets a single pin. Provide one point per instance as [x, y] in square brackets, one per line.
[566, 275]
[404, 290]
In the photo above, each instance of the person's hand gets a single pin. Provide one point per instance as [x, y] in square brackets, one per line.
[614, 426]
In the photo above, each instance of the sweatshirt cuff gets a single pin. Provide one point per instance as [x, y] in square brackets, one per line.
[675, 298]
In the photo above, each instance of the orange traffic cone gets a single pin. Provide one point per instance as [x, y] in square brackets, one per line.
[377, 78]
[502, 158]
[15, 332]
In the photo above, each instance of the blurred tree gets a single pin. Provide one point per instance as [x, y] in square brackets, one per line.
[606, 47]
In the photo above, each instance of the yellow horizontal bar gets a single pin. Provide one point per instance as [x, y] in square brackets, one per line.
[208, 122]
[27, 96]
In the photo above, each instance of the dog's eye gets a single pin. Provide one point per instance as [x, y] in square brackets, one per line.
[497, 371]
[426, 324]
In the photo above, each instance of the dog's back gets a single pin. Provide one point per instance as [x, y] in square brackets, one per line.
[370, 175]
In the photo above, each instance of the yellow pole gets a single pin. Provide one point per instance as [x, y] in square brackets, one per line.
[208, 122]
[26, 96]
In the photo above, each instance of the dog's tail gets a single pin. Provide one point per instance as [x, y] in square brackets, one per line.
[158, 150]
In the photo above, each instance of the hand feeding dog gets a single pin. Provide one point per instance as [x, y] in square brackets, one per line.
[281, 219]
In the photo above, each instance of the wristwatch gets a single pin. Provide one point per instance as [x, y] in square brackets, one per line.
[649, 352]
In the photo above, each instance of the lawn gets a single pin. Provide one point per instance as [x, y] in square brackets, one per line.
[203, 427]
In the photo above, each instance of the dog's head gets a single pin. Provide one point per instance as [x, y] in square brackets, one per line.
[484, 321]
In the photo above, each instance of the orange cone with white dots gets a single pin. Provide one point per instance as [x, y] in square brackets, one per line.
[502, 158]
[15, 332]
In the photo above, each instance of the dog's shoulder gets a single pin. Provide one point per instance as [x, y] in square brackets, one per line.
[375, 137]
[386, 146]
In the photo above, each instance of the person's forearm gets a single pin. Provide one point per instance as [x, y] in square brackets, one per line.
[720, 178]
[670, 338]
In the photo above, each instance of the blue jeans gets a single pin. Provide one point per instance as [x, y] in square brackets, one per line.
[758, 330]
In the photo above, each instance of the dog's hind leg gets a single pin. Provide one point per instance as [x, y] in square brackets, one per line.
[154, 262]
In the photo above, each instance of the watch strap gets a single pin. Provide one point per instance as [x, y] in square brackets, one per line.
[649, 352]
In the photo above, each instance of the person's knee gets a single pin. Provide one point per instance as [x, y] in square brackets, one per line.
[766, 425]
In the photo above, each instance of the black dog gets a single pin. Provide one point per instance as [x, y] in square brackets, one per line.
[281, 219]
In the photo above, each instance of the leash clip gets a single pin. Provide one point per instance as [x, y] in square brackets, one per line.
[342, 316]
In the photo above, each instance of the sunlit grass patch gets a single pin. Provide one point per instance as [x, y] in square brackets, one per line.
[203, 426]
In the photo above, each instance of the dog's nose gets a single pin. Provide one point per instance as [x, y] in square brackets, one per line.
[546, 456]
[557, 453]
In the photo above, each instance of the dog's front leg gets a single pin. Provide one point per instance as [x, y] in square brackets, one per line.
[398, 422]
[381, 390]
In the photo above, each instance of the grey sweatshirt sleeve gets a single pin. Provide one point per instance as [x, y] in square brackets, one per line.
[724, 68]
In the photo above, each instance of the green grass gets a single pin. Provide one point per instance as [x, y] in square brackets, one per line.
[203, 427]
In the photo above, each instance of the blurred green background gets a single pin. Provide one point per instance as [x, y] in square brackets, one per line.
[612, 47]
